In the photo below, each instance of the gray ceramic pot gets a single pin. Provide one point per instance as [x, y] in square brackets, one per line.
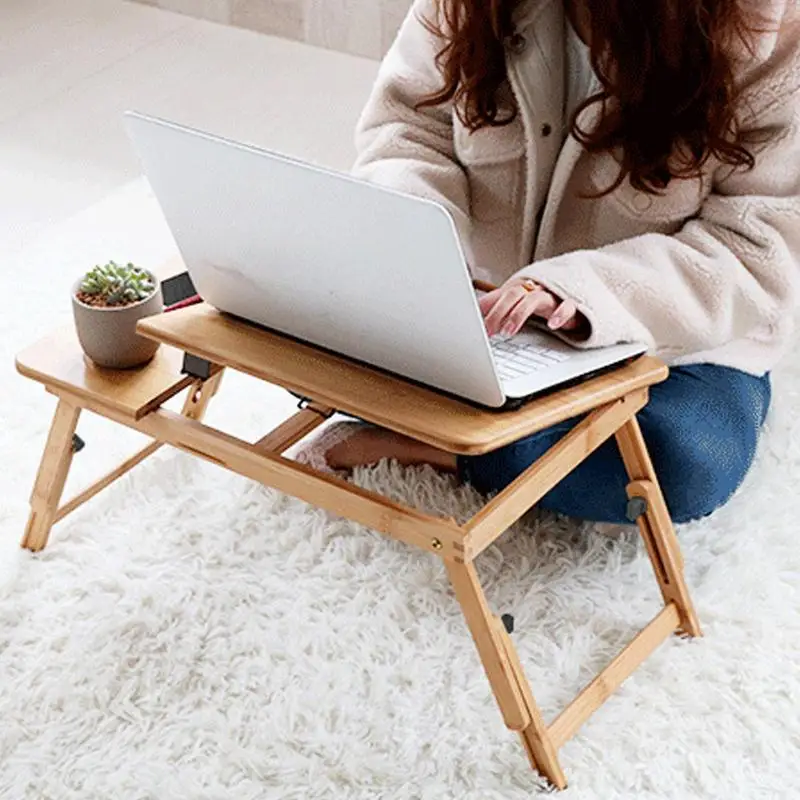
[108, 335]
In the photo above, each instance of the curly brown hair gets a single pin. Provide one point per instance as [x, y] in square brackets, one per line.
[665, 70]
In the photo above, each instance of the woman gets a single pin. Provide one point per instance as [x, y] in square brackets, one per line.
[626, 171]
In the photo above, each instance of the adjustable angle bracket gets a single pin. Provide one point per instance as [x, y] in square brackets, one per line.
[177, 292]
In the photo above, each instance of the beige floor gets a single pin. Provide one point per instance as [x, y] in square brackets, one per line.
[69, 68]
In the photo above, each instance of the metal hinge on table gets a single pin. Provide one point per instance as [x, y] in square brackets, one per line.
[305, 403]
[196, 367]
[637, 506]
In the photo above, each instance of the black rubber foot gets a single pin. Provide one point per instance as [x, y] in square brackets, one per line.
[636, 507]
[508, 622]
[77, 443]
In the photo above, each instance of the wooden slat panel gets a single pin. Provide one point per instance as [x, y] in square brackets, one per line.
[90, 491]
[508, 506]
[293, 430]
[611, 678]
[494, 658]
[639, 466]
[194, 407]
[52, 474]
[535, 736]
[58, 362]
[656, 526]
[372, 395]
[440, 536]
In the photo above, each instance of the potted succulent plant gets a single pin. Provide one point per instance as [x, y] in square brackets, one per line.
[107, 303]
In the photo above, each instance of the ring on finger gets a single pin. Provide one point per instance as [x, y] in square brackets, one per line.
[530, 286]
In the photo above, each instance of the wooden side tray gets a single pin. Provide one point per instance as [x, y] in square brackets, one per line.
[608, 404]
[58, 363]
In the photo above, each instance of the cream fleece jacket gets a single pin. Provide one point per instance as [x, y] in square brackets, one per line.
[708, 272]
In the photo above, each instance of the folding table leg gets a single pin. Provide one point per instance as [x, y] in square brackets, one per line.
[200, 395]
[52, 476]
[655, 524]
[510, 687]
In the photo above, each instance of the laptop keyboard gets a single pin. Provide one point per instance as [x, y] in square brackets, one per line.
[517, 358]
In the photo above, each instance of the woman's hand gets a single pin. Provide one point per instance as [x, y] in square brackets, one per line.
[506, 309]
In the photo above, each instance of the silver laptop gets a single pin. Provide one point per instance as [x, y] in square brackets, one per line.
[358, 269]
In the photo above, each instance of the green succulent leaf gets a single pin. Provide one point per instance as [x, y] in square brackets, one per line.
[118, 284]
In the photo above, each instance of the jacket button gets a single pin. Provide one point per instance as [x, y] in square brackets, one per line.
[642, 202]
[547, 129]
[517, 43]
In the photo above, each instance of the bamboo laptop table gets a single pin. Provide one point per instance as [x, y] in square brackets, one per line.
[329, 383]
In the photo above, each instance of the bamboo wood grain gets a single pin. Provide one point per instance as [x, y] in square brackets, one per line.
[663, 557]
[293, 429]
[52, 475]
[661, 519]
[200, 394]
[492, 653]
[58, 362]
[536, 739]
[133, 400]
[551, 468]
[656, 526]
[377, 397]
[667, 567]
[440, 536]
[611, 678]
[639, 467]
[90, 491]
[194, 407]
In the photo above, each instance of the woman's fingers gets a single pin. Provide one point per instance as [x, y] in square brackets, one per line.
[487, 301]
[496, 313]
[508, 308]
[541, 303]
[565, 317]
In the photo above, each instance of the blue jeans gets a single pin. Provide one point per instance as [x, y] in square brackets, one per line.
[701, 427]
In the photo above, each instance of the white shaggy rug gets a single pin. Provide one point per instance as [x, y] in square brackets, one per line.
[190, 634]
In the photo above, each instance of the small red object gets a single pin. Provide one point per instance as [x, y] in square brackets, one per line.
[188, 301]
